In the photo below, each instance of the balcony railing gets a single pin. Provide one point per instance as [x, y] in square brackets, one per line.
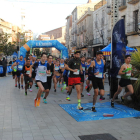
[96, 41]
[122, 5]
[132, 28]
[133, 1]
[109, 9]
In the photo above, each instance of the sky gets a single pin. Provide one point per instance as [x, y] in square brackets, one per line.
[41, 15]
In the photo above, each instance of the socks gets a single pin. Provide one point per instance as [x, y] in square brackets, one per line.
[79, 102]
[93, 106]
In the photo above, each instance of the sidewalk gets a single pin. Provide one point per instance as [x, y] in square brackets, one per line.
[20, 120]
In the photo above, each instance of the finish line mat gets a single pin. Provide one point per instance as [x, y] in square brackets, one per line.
[119, 111]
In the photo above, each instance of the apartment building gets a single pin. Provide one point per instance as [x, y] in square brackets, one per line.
[43, 37]
[76, 15]
[28, 35]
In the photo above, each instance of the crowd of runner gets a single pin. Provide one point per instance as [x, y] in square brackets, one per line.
[71, 73]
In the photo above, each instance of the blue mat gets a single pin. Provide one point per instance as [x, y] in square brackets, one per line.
[119, 111]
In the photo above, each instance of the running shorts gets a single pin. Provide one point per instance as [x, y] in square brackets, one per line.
[82, 78]
[14, 73]
[66, 80]
[44, 84]
[27, 79]
[90, 78]
[124, 82]
[49, 81]
[74, 81]
[97, 83]
[33, 74]
[19, 73]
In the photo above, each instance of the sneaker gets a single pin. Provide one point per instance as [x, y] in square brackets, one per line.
[79, 107]
[93, 109]
[44, 100]
[88, 94]
[36, 87]
[19, 86]
[55, 90]
[82, 95]
[42, 95]
[22, 86]
[35, 102]
[112, 103]
[68, 98]
[30, 90]
[102, 98]
[15, 85]
[122, 98]
[86, 87]
[38, 102]
[26, 93]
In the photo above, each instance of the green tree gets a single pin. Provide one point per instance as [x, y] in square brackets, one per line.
[37, 52]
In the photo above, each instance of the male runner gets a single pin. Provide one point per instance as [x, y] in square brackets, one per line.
[97, 81]
[27, 76]
[19, 63]
[82, 75]
[41, 77]
[49, 77]
[74, 66]
[62, 68]
[14, 72]
[125, 72]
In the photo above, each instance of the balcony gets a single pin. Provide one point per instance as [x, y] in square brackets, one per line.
[96, 24]
[109, 9]
[133, 1]
[72, 32]
[132, 28]
[102, 21]
[122, 5]
[109, 34]
[97, 41]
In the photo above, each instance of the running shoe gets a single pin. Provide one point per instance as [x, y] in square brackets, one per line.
[15, 85]
[86, 87]
[68, 98]
[93, 109]
[19, 86]
[38, 102]
[102, 98]
[30, 90]
[35, 102]
[44, 100]
[26, 93]
[79, 107]
[82, 95]
[54, 90]
[36, 87]
[88, 94]
[122, 98]
[112, 103]
[22, 86]
[42, 94]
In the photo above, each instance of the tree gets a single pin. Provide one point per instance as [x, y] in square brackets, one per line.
[6, 47]
[37, 52]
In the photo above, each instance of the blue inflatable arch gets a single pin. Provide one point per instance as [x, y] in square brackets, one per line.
[44, 44]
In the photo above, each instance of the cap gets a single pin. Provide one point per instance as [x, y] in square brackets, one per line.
[77, 51]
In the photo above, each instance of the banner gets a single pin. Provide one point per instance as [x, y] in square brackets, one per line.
[118, 48]
[9, 69]
[1, 69]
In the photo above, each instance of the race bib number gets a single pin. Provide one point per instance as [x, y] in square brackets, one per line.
[28, 72]
[56, 68]
[99, 75]
[42, 73]
[83, 68]
[20, 66]
[76, 73]
[62, 66]
[49, 74]
[128, 74]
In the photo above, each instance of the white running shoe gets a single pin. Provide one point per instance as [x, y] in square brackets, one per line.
[30, 90]
[88, 94]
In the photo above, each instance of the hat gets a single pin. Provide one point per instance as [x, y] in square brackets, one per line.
[77, 51]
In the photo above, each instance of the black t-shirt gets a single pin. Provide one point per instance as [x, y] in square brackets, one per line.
[74, 63]
[51, 70]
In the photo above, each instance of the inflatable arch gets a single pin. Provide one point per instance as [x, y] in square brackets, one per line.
[44, 44]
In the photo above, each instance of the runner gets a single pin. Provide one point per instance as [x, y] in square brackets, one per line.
[43, 69]
[97, 81]
[125, 72]
[82, 75]
[14, 72]
[49, 77]
[56, 77]
[74, 66]
[19, 63]
[62, 70]
[27, 75]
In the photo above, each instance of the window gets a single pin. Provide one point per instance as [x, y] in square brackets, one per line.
[136, 20]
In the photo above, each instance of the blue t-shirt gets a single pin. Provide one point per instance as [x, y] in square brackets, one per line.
[66, 73]
[83, 67]
[20, 65]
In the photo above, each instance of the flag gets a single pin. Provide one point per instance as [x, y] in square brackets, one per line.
[118, 47]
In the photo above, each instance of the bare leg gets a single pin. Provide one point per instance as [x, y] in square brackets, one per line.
[46, 93]
[95, 96]
[82, 85]
[78, 91]
[21, 79]
[41, 89]
[131, 91]
[117, 93]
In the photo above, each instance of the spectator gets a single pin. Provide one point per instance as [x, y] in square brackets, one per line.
[4, 64]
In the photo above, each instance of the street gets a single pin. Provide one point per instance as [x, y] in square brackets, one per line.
[20, 120]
